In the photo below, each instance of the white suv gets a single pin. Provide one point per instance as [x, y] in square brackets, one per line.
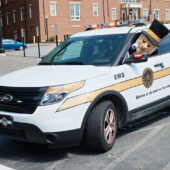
[85, 88]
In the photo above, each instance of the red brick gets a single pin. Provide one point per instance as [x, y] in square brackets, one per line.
[63, 20]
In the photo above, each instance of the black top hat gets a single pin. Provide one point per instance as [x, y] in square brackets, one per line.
[156, 32]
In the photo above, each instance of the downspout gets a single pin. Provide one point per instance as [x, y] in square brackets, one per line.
[104, 12]
[45, 21]
[25, 7]
[150, 11]
[1, 46]
[4, 19]
[108, 13]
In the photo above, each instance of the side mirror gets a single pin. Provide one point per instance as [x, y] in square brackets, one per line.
[136, 57]
[43, 57]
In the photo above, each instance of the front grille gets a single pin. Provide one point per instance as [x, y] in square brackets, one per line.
[13, 133]
[25, 100]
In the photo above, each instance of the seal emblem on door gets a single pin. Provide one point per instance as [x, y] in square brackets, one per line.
[147, 77]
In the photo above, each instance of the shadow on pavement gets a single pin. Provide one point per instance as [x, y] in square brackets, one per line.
[143, 122]
[17, 150]
[36, 153]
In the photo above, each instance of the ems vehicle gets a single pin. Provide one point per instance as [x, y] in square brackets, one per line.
[85, 89]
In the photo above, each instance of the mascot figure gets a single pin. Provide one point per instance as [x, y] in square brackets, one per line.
[148, 41]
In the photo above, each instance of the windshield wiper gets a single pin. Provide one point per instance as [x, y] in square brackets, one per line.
[70, 63]
[43, 63]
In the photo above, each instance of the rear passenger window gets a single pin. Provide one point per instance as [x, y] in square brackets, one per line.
[164, 45]
[11, 41]
[4, 41]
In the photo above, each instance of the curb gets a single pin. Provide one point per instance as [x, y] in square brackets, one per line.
[2, 54]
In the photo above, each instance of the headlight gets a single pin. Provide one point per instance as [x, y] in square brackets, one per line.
[58, 93]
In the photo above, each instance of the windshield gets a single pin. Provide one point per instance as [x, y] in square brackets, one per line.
[92, 50]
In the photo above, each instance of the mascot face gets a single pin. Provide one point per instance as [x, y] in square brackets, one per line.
[145, 45]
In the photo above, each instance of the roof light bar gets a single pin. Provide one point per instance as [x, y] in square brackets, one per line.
[94, 26]
[91, 27]
[115, 24]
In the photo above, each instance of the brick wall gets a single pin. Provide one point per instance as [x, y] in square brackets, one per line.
[63, 19]
[161, 5]
[28, 24]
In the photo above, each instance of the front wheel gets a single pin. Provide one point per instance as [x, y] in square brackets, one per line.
[20, 47]
[101, 127]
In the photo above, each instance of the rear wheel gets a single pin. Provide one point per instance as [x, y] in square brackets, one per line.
[101, 127]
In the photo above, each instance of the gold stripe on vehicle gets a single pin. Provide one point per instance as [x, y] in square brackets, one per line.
[152, 34]
[89, 97]
[161, 73]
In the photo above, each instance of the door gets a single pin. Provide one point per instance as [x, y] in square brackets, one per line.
[134, 14]
[5, 44]
[11, 44]
[152, 82]
[145, 84]
[148, 83]
[123, 15]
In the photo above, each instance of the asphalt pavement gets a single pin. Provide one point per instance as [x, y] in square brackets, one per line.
[142, 145]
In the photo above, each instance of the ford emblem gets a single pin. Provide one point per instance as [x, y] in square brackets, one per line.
[6, 98]
[4, 122]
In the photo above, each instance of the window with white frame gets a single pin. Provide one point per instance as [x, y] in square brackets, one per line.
[53, 8]
[14, 16]
[156, 13]
[22, 14]
[75, 11]
[114, 13]
[128, 1]
[95, 9]
[145, 13]
[30, 11]
[1, 20]
[7, 19]
[167, 14]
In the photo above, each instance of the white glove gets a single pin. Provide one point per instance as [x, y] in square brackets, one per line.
[134, 46]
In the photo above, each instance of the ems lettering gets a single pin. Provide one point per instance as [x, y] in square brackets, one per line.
[119, 76]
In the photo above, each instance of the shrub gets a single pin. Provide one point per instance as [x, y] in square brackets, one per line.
[52, 39]
[166, 22]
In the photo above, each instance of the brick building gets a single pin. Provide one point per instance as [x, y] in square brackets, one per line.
[70, 16]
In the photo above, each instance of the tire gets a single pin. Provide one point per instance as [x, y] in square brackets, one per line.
[20, 48]
[167, 109]
[101, 128]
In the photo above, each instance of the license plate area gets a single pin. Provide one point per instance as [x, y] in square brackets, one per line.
[6, 121]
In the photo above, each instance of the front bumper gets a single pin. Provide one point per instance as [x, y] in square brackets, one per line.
[31, 133]
[46, 126]
[47, 119]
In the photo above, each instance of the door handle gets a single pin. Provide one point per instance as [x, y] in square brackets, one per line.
[159, 65]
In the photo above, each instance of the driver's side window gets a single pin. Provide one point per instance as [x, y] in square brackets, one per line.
[132, 48]
[141, 43]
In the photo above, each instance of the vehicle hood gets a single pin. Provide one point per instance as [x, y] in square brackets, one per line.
[19, 43]
[42, 76]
